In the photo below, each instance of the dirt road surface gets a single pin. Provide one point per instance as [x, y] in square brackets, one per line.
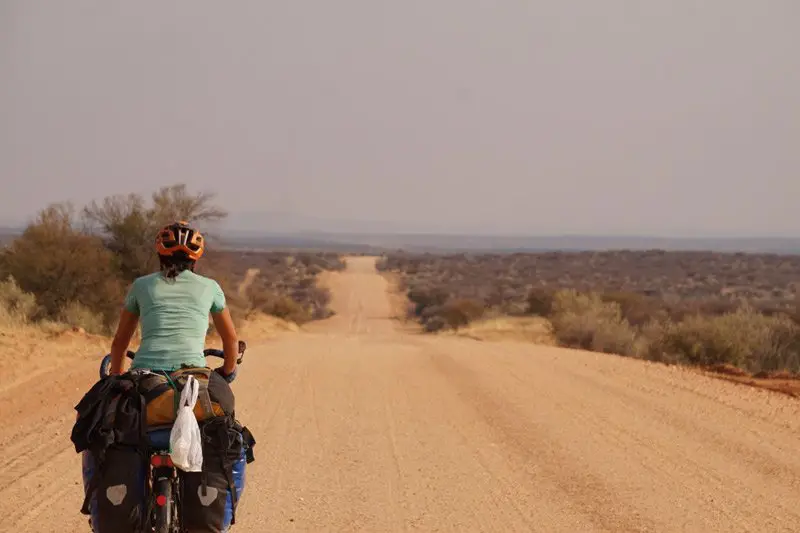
[362, 426]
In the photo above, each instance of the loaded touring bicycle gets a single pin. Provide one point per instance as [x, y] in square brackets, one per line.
[123, 433]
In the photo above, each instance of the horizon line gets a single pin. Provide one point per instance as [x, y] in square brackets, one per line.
[321, 232]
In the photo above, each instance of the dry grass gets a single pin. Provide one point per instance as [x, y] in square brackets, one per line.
[77, 315]
[247, 281]
[259, 327]
[17, 308]
[29, 350]
[536, 330]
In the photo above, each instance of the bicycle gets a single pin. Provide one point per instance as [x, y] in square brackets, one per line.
[163, 477]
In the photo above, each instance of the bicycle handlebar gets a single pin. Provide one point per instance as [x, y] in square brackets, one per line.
[105, 364]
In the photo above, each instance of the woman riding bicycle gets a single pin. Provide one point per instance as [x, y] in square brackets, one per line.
[174, 305]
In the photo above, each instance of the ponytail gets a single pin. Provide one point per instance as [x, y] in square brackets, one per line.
[173, 266]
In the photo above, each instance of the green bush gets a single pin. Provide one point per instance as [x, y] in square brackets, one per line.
[59, 264]
[637, 309]
[540, 302]
[79, 316]
[17, 307]
[287, 309]
[453, 314]
[459, 313]
[585, 321]
[745, 338]
[261, 299]
[423, 297]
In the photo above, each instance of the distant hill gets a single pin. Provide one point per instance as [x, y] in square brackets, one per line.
[8, 234]
[363, 242]
[377, 242]
[252, 241]
[302, 231]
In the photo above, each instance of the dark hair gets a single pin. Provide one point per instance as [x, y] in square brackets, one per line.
[172, 266]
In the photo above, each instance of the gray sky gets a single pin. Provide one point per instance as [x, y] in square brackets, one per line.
[513, 116]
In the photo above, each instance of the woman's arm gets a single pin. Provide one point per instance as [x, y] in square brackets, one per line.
[122, 339]
[230, 342]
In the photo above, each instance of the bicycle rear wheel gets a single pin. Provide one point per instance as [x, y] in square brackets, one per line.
[162, 510]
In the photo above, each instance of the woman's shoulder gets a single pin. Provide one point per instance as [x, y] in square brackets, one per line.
[147, 279]
[205, 280]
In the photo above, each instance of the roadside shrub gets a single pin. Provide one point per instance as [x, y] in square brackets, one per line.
[319, 261]
[280, 306]
[320, 299]
[682, 309]
[744, 338]
[585, 321]
[678, 282]
[59, 265]
[676, 307]
[459, 313]
[17, 307]
[78, 315]
[637, 309]
[540, 302]
[424, 297]
[434, 323]
[285, 308]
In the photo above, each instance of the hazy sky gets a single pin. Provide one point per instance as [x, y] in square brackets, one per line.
[639, 117]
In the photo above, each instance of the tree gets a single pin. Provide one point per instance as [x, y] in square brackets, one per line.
[176, 203]
[128, 225]
[61, 265]
[128, 228]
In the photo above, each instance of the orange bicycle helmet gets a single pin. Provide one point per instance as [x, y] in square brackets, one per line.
[180, 239]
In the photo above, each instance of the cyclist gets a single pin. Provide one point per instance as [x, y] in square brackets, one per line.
[173, 306]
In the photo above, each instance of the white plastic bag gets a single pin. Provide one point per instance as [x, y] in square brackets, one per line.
[184, 439]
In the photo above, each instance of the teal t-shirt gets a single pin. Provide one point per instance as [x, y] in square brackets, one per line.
[174, 318]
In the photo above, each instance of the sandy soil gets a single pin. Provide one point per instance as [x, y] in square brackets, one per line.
[363, 426]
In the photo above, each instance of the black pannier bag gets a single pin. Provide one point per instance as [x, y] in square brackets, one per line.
[210, 497]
